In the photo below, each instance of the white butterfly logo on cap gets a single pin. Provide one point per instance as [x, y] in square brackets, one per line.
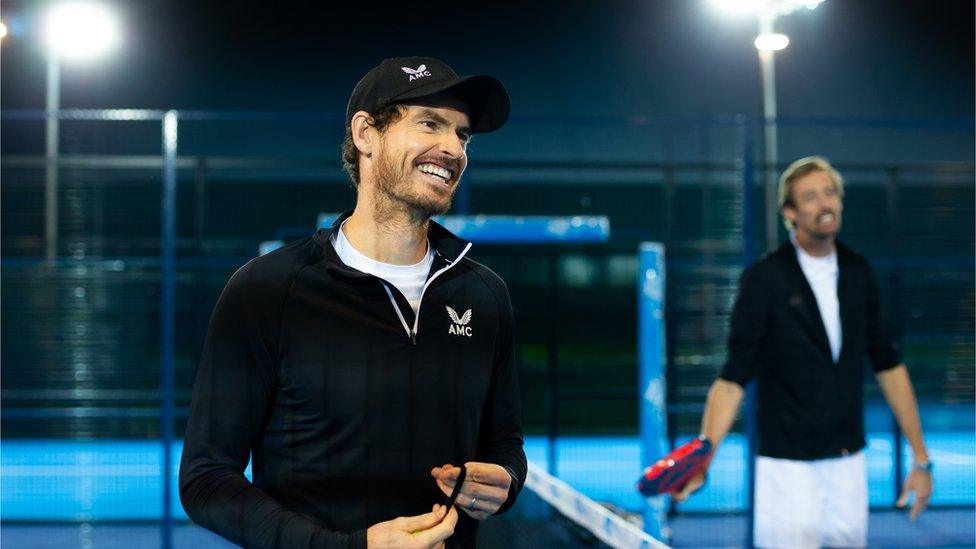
[417, 73]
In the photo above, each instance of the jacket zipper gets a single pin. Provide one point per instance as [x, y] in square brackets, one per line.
[412, 333]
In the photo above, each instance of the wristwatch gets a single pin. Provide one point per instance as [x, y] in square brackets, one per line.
[927, 467]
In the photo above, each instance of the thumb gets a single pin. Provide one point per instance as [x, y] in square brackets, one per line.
[424, 521]
[903, 499]
[685, 491]
[689, 488]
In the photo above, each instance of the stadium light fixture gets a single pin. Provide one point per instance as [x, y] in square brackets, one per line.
[738, 7]
[760, 7]
[808, 4]
[72, 31]
[80, 30]
[3, 30]
[771, 42]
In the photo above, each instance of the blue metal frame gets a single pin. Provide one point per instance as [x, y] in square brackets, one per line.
[748, 256]
[652, 383]
[505, 229]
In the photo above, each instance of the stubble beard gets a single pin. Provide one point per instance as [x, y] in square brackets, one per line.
[396, 193]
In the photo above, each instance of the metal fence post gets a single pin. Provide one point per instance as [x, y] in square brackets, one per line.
[652, 382]
[552, 364]
[168, 325]
[894, 278]
[748, 256]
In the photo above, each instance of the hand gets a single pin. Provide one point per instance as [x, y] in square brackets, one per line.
[919, 482]
[485, 487]
[417, 532]
[693, 485]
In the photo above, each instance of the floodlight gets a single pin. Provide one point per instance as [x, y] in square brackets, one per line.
[808, 4]
[738, 7]
[80, 30]
[771, 42]
[3, 30]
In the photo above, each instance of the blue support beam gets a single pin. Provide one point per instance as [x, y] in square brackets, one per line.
[652, 384]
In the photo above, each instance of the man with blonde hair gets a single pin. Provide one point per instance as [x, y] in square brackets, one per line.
[806, 316]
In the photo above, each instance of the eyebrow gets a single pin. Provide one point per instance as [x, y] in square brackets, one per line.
[428, 113]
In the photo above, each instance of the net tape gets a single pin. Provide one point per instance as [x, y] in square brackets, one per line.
[601, 522]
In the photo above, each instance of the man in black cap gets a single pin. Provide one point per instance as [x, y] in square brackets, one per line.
[369, 367]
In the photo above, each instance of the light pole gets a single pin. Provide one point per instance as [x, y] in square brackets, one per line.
[767, 44]
[73, 31]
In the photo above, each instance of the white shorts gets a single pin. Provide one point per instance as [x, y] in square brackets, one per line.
[820, 503]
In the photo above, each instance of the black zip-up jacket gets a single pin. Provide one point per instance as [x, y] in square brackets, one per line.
[344, 399]
[809, 406]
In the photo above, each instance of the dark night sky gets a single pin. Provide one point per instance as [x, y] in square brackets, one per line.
[859, 58]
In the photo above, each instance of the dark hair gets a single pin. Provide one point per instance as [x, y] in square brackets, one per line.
[381, 119]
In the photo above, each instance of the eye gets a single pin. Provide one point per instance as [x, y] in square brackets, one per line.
[429, 123]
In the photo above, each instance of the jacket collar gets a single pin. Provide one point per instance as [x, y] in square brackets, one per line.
[787, 251]
[804, 300]
[447, 246]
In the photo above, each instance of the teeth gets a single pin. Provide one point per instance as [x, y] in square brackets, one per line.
[826, 218]
[435, 170]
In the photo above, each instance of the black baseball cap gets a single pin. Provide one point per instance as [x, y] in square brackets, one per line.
[407, 79]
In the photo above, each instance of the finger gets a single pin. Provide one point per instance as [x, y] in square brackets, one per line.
[482, 508]
[903, 499]
[488, 473]
[688, 489]
[681, 496]
[439, 532]
[920, 505]
[472, 503]
[421, 522]
[481, 491]
[448, 489]
[447, 472]
[487, 494]
[501, 486]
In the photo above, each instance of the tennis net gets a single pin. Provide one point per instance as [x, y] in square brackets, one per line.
[550, 513]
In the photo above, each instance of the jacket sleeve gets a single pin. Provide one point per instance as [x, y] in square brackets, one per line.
[500, 437]
[232, 401]
[881, 349]
[750, 316]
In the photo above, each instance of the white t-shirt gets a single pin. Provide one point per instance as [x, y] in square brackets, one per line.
[822, 273]
[409, 279]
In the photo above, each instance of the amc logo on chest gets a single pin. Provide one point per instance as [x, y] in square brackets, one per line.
[459, 324]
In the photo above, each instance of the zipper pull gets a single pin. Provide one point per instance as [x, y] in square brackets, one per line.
[413, 337]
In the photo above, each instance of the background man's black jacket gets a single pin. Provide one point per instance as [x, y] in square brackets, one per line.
[809, 406]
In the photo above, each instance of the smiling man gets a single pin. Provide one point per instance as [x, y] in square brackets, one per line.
[805, 318]
[360, 368]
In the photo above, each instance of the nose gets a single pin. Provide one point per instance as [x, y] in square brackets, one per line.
[452, 146]
[827, 202]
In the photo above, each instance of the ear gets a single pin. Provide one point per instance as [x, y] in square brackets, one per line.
[789, 212]
[363, 135]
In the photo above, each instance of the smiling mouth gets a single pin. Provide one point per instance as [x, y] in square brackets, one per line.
[825, 218]
[443, 174]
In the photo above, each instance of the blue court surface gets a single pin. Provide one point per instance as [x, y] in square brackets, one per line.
[97, 483]
[46, 480]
